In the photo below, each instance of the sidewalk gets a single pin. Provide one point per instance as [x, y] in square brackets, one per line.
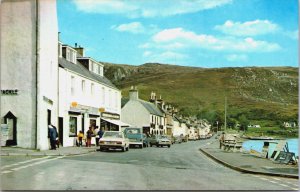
[62, 151]
[247, 163]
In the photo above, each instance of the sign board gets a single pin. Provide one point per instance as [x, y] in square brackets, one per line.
[284, 157]
[4, 134]
[9, 91]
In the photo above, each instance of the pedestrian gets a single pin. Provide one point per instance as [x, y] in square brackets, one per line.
[80, 137]
[97, 135]
[100, 133]
[52, 134]
[221, 139]
[89, 135]
[56, 139]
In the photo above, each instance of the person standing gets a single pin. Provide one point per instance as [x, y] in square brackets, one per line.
[96, 135]
[89, 134]
[52, 136]
[221, 139]
[80, 137]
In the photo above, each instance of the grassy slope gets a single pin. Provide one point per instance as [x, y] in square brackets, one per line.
[273, 90]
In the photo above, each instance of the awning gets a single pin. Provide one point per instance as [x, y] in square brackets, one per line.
[116, 122]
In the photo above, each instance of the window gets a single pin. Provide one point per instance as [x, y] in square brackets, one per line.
[68, 54]
[73, 126]
[83, 86]
[101, 71]
[72, 85]
[110, 98]
[95, 68]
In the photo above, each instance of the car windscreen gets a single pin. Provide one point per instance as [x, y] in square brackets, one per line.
[113, 134]
[133, 131]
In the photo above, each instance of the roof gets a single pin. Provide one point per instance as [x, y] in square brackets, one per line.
[80, 69]
[151, 108]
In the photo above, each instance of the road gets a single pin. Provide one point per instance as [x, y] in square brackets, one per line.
[181, 167]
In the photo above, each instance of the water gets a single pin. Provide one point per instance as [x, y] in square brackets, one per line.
[257, 145]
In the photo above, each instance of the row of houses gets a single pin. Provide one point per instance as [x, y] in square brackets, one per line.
[156, 117]
[44, 81]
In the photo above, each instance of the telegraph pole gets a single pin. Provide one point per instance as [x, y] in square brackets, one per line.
[225, 112]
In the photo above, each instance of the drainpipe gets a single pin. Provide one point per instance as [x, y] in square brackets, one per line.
[36, 68]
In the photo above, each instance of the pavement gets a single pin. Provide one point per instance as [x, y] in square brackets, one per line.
[61, 151]
[240, 161]
[249, 163]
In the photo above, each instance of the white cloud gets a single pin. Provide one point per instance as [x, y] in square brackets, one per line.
[153, 8]
[236, 57]
[249, 28]
[293, 34]
[179, 36]
[147, 53]
[134, 27]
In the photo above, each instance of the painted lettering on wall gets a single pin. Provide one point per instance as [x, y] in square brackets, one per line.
[9, 91]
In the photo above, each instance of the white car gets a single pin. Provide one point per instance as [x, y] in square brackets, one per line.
[114, 140]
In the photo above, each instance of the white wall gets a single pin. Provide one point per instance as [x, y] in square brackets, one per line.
[18, 66]
[47, 69]
[134, 113]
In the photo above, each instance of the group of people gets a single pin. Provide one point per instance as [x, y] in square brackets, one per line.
[93, 131]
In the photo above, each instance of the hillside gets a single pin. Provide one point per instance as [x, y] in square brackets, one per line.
[269, 93]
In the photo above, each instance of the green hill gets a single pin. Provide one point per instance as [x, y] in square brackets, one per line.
[261, 94]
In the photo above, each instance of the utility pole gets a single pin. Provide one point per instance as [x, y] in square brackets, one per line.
[225, 112]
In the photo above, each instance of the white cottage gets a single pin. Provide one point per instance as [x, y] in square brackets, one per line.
[29, 99]
[140, 113]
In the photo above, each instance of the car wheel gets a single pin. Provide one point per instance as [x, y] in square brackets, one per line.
[169, 146]
[141, 146]
[150, 145]
[127, 149]
[124, 148]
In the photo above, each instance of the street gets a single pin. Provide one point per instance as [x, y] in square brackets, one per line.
[181, 167]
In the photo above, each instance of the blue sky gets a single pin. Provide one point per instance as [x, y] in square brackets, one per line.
[201, 33]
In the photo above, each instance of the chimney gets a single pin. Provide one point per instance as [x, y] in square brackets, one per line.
[133, 93]
[79, 49]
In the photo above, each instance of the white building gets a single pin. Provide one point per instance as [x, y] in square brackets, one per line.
[140, 113]
[86, 97]
[29, 99]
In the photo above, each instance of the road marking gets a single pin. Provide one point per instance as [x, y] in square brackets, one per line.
[273, 181]
[23, 162]
[284, 185]
[33, 164]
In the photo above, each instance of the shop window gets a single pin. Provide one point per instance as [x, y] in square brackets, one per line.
[73, 126]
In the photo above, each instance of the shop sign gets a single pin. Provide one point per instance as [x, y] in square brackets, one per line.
[9, 91]
[110, 115]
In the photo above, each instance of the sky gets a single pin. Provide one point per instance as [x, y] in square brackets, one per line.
[198, 33]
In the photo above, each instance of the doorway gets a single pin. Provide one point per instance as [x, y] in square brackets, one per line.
[61, 130]
[11, 120]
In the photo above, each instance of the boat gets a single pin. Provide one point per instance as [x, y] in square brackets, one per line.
[261, 138]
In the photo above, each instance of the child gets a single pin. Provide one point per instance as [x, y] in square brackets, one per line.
[80, 137]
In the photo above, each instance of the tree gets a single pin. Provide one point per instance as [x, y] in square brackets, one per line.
[244, 122]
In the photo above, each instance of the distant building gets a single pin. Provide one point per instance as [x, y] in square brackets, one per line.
[289, 124]
[29, 100]
[140, 113]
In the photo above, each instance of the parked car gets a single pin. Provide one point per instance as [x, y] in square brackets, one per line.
[159, 141]
[145, 140]
[136, 137]
[178, 139]
[114, 140]
[170, 137]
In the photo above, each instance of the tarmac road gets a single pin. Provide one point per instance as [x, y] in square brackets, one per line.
[181, 167]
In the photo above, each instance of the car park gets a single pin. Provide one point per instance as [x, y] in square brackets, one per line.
[114, 140]
[159, 141]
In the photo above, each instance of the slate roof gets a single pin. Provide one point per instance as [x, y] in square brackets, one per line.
[80, 69]
[151, 108]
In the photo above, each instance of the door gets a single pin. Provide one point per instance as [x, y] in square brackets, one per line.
[11, 120]
[61, 130]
